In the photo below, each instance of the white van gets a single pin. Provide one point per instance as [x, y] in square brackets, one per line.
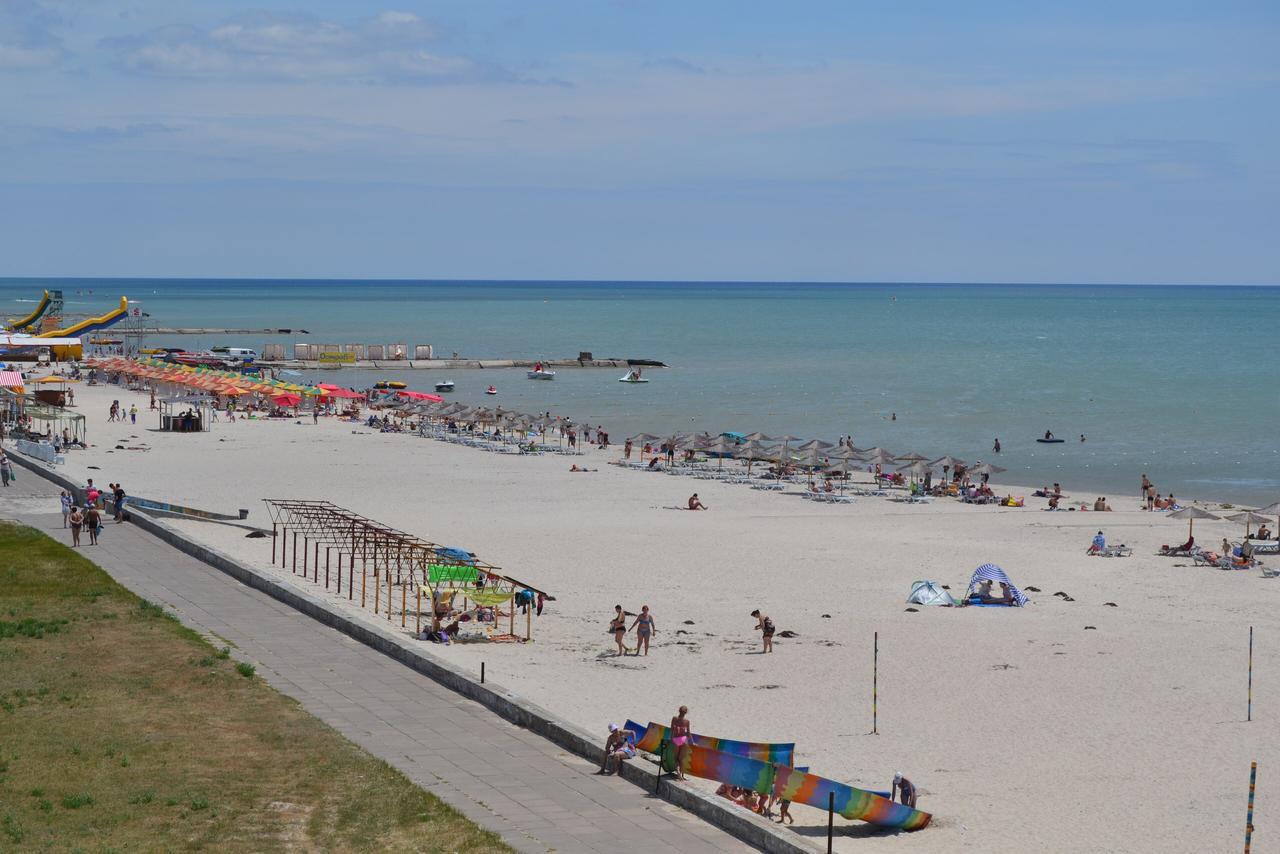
[235, 354]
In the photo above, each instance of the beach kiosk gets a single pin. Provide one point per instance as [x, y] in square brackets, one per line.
[185, 414]
[51, 390]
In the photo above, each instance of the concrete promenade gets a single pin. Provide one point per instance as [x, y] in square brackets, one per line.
[535, 795]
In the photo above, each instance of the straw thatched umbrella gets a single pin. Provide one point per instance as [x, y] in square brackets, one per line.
[848, 453]
[844, 469]
[1247, 519]
[757, 437]
[1191, 514]
[1272, 510]
[917, 469]
[721, 446]
[911, 457]
[813, 444]
[987, 469]
[753, 450]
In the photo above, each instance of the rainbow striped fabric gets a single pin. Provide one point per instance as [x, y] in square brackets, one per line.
[652, 737]
[754, 774]
[801, 788]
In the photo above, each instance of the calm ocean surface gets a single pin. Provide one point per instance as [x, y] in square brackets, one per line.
[1177, 382]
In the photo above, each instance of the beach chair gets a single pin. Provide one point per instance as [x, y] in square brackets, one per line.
[1116, 551]
[1268, 572]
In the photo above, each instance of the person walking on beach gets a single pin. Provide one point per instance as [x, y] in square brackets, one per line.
[65, 500]
[118, 494]
[680, 731]
[6, 469]
[77, 520]
[1146, 491]
[904, 790]
[92, 523]
[133, 413]
[765, 625]
[626, 450]
[618, 626]
[644, 626]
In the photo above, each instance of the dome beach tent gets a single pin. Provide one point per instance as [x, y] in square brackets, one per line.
[994, 574]
[929, 593]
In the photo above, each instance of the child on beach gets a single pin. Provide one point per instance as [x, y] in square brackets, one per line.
[765, 625]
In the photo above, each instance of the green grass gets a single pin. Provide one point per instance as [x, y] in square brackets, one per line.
[122, 730]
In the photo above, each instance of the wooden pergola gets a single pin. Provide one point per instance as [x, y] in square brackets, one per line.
[387, 557]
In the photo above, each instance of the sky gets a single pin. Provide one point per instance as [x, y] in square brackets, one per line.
[1028, 141]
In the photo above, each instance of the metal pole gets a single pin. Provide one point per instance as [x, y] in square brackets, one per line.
[339, 578]
[295, 553]
[364, 573]
[1248, 823]
[389, 592]
[273, 543]
[351, 577]
[1250, 716]
[417, 614]
[304, 556]
[831, 818]
[404, 606]
[482, 673]
[315, 562]
[875, 686]
[377, 591]
[326, 567]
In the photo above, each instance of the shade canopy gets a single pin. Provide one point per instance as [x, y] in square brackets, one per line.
[1191, 514]
[949, 462]
[986, 468]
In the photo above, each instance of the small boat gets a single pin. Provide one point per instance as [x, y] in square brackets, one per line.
[444, 385]
[396, 384]
[380, 384]
[491, 390]
[541, 374]
[633, 377]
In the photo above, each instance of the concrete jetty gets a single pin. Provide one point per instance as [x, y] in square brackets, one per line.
[455, 364]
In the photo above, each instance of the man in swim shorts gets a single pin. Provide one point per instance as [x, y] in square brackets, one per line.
[695, 503]
[904, 789]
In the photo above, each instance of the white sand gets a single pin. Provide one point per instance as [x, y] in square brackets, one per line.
[1023, 730]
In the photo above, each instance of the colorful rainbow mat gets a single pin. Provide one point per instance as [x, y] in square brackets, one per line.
[650, 740]
[798, 787]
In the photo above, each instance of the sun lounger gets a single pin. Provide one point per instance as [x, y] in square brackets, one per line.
[1268, 572]
[1266, 547]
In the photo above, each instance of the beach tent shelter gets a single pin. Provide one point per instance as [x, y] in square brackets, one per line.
[929, 593]
[185, 414]
[55, 419]
[12, 380]
[1272, 510]
[996, 575]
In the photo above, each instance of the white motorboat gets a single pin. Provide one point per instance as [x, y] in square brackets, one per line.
[541, 374]
[444, 385]
[633, 376]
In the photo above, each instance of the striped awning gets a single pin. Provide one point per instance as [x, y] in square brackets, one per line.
[11, 379]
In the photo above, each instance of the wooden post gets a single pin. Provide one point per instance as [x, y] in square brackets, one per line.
[417, 614]
[1248, 822]
[831, 818]
[1250, 715]
[377, 591]
[528, 622]
[875, 686]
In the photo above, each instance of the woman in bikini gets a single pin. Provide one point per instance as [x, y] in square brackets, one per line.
[77, 520]
[765, 625]
[618, 626]
[644, 627]
[680, 738]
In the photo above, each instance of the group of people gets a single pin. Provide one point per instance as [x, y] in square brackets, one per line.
[643, 625]
[1152, 500]
[117, 412]
[89, 518]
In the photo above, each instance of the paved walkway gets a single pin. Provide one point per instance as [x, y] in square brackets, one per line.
[507, 779]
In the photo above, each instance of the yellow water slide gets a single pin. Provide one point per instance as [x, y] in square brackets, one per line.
[16, 325]
[92, 324]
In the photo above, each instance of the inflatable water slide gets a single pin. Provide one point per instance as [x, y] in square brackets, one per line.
[766, 768]
[92, 324]
[16, 325]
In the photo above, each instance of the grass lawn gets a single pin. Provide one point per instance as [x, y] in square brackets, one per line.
[122, 730]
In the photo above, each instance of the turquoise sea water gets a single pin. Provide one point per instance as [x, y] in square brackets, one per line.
[1177, 382]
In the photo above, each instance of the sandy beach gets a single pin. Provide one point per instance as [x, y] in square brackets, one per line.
[1065, 726]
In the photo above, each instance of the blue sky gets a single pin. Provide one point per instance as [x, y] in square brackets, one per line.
[841, 141]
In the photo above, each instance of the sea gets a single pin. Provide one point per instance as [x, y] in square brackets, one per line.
[1175, 382]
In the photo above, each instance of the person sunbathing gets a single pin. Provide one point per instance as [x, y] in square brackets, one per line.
[695, 503]
[1264, 533]
[1185, 547]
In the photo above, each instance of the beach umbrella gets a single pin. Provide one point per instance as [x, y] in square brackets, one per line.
[987, 469]
[757, 437]
[917, 469]
[948, 462]
[1248, 518]
[1272, 510]
[912, 457]
[751, 451]
[1191, 514]
[848, 453]
[878, 456]
[844, 469]
[814, 443]
[286, 399]
[721, 446]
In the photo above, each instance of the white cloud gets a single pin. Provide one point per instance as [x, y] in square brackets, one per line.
[389, 47]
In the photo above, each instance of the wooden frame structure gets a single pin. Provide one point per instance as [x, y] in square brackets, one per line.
[378, 558]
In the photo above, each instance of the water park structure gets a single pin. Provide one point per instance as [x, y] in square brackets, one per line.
[767, 769]
[50, 303]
